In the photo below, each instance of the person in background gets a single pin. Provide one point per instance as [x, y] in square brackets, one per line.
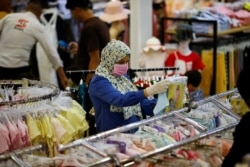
[241, 144]
[19, 33]
[193, 82]
[94, 36]
[117, 102]
[184, 57]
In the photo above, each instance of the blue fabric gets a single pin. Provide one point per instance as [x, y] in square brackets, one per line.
[223, 22]
[196, 95]
[103, 94]
[162, 103]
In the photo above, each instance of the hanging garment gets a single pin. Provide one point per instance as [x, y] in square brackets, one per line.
[207, 72]
[232, 81]
[221, 79]
[46, 72]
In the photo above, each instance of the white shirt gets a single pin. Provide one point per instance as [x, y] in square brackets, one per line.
[18, 34]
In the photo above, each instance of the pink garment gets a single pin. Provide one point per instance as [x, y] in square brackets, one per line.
[224, 10]
[132, 152]
[242, 14]
[6, 133]
[13, 135]
[18, 140]
[192, 131]
[26, 137]
[4, 145]
[22, 131]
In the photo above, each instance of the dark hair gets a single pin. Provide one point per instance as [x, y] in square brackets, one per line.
[84, 4]
[194, 77]
[243, 85]
[5, 5]
[35, 7]
[183, 32]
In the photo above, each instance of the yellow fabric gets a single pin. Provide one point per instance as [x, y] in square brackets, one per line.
[76, 116]
[71, 132]
[221, 78]
[34, 132]
[207, 72]
[176, 94]
[232, 81]
[40, 126]
[2, 14]
[49, 137]
[239, 106]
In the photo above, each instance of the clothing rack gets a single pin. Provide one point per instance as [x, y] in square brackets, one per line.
[13, 155]
[215, 101]
[25, 83]
[135, 70]
[120, 129]
[155, 69]
[203, 134]
[169, 147]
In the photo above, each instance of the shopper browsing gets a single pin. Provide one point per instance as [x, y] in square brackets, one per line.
[19, 32]
[184, 57]
[116, 100]
[94, 36]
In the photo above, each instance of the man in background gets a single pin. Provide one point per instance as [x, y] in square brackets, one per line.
[19, 32]
[94, 36]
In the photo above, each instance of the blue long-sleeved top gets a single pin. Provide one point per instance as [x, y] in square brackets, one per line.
[103, 95]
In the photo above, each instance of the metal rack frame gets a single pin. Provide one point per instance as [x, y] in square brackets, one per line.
[109, 158]
[25, 83]
[13, 155]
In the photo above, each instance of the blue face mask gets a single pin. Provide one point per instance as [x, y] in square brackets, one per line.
[120, 69]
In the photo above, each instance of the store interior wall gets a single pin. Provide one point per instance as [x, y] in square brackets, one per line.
[140, 28]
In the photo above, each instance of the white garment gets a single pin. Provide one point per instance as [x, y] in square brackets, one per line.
[152, 59]
[18, 34]
[46, 72]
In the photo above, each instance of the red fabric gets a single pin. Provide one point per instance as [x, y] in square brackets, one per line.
[193, 59]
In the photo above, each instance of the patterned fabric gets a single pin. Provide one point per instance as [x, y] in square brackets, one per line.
[196, 95]
[114, 51]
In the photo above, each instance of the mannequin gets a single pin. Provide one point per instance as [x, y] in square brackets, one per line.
[115, 15]
[117, 30]
[152, 56]
[183, 48]
[184, 57]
